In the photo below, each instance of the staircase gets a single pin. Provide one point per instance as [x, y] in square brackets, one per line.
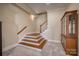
[34, 40]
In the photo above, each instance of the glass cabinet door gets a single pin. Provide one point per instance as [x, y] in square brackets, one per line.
[71, 25]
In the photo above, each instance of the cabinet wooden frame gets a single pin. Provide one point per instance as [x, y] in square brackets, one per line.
[71, 41]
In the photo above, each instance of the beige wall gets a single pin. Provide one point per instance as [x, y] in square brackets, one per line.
[23, 19]
[53, 33]
[13, 20]
[40, 20]
[9, 28]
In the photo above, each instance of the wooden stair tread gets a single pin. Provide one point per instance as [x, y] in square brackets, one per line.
[35, 46]
[33, 34]
[33, 40]
[42, 44]
[32, 37]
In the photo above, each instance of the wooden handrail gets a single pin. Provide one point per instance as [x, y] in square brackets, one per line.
[22, 30]
[42, 25]
[41, 13]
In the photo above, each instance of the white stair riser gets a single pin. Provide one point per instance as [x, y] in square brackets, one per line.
[33, 36]
[34, 39]
[33, 42]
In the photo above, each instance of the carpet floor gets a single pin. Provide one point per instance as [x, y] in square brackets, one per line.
[50, 49]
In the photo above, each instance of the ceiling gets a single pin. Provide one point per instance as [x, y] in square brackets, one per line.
[44, 7]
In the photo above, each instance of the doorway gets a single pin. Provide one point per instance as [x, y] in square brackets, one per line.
[0, 38]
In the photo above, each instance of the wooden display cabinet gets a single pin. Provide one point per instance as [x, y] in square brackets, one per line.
[69, 32]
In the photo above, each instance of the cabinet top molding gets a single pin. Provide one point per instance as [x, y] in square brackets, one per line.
[73, 11]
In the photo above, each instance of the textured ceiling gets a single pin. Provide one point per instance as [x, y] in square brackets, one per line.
[43, 7]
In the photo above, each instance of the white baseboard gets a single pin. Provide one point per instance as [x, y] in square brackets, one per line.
[8, 47]
[56, 41]
[29, 47]
[11, 46]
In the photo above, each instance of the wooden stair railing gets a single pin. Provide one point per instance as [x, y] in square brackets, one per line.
[45, 22]
[22, 30]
